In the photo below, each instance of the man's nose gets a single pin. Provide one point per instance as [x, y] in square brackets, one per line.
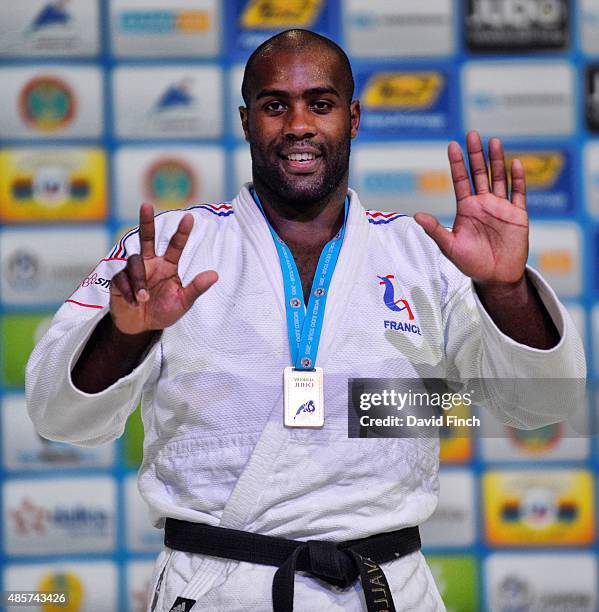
[300, 123]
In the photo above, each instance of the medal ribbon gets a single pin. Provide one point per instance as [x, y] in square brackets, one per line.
[304, 325]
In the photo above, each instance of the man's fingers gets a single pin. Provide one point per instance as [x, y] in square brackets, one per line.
[136, 271]
[498, 172]
[459, 175]
[147, 231]
[478, 165]
[518, 185]
[120, 286]
[179, 240]
[199, 284]
[443, 237]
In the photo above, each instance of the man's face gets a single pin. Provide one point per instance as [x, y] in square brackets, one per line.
[299, 124]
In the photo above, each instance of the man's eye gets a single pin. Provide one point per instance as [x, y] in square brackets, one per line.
[322, 106]
[275, 107]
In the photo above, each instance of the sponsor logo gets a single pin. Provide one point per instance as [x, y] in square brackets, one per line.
[402, 90]
[364, 20]
[516, 24]
[164, 21]
[589, 25]
[536, 441]
[558, 261]
[542, 168]
[177, 95]
[50, 186]
[63, 185]
[398, 29]
[535, 99]
[407, 181]
[457, 581]
[483, 100]
[94, 279]
[592, 97]
[555, 250]
[23, 270]
[170, 183]
[307, 407]
[451, 524]
[522, 583]
[74, 520]
[51, 15]
[514, 593]
[62, 582]
[538, 507]
[47, 104]
[275, 14]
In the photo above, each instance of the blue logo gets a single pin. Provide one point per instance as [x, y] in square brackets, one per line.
[177, 95]
[54, 13]
[483, 100]
[307, 407]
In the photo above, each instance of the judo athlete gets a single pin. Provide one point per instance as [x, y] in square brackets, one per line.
[217, 315]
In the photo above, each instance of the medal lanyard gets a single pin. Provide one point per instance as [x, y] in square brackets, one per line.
[305, 325]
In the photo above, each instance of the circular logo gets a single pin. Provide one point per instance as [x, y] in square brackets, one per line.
[170, 183]
[62, 582]
[538, 508]
[47, 104]
[514, 593]
[23, 270]
[51, 185]
[536, 441]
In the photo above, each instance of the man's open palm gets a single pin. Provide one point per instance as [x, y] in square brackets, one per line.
[148, 294]
[489, 240]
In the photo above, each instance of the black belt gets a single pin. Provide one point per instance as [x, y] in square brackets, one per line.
[339, 564]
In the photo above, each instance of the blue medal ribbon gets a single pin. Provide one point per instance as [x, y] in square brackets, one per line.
[304, 325]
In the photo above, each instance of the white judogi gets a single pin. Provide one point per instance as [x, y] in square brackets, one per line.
[215, 448]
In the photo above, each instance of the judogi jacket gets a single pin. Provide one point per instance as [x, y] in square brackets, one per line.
[215, 448]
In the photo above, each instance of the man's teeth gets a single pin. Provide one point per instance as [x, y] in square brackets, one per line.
[300, 156]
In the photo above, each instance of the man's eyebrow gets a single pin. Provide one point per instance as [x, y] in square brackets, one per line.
[281, 93]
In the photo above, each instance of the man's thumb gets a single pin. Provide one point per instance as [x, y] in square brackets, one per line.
[198, 285]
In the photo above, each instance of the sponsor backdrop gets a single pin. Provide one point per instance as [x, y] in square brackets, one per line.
[105, 104]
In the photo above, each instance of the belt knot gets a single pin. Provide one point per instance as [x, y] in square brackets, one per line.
[328, 562]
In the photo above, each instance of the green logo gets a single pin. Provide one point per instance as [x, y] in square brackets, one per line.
[456, 579]
[133, 440]
[20, 334]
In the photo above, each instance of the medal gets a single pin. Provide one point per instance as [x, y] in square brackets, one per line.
[303, 384]
[304, 397]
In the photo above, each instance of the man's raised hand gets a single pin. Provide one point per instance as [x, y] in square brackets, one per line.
[148, 295]
[489, 240]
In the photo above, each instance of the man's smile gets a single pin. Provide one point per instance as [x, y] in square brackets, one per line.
[301, 161]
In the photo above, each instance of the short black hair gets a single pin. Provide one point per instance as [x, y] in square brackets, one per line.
[295, 40]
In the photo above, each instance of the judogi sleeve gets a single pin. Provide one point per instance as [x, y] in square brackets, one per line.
[57, 408]
[507, 370]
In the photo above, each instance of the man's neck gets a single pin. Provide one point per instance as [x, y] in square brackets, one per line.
[310, 225]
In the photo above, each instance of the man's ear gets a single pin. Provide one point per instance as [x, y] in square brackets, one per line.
[243, 115]
[354, 117]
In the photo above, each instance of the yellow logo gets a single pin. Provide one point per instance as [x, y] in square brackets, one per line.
[402, 90]
[456, 443]
[555, 261]
[273, 14]
[62, 582]
[542, 168]
[540, 507]
[66, 184]
[193, 21]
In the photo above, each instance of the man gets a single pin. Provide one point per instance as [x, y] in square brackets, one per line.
[221, 446]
